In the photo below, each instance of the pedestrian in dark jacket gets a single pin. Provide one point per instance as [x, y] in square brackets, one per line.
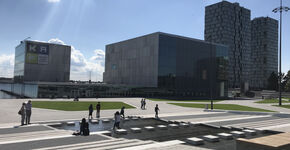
[98, 108]
[91, 109]
[122, 112]
[28, 111]
[22, 113]
[156, 111]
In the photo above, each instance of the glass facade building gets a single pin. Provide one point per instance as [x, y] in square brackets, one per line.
[42, 62]
[179, 65]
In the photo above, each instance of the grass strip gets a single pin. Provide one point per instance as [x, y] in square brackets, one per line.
[77, 106]
[223, 107]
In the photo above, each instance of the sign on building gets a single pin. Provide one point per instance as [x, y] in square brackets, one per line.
[37, 53]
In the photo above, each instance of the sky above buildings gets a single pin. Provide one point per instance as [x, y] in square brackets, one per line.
[89, 25]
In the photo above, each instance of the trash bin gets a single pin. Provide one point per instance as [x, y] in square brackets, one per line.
[206, 106]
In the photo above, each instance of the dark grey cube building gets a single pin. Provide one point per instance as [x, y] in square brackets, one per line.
[40, 61]
[230, 24]
[264, 51]
[169, 62]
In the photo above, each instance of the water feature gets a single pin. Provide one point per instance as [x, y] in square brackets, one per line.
[107, 124]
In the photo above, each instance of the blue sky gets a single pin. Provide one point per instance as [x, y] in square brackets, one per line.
[89, 25]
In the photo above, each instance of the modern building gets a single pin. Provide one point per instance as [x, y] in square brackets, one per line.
[42, 62]
[230, 24]
[178, 65]
[264, 51]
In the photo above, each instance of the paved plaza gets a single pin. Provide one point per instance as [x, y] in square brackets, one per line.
[42, 135]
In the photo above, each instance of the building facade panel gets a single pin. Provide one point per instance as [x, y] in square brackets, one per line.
[132, 62]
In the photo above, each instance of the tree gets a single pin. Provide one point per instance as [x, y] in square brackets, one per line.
[287, 86]
[273, 82]
[285, 81]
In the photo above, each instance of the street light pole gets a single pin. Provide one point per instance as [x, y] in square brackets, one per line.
[280, 9]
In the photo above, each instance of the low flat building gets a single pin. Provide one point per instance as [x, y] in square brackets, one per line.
[173, 64]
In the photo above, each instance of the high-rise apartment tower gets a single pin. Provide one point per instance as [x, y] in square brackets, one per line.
[230, 24]
[264, 51]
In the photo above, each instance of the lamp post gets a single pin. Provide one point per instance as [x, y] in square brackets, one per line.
[280, 9]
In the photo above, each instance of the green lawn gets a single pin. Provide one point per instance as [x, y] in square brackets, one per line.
[223, 107]
[157, 99]
[266, 101]
[77, 106]
[284, 106]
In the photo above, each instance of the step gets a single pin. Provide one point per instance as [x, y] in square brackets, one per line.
[33, 135]
[251, 132]
[149, 128]
[162, 127]
[99, 145]
[121, 131]
[125, 144]
[111, 141]
[225, 136]
[238, 134]
[173, 126]
[136, 130]
[195, 141]
[211, 138]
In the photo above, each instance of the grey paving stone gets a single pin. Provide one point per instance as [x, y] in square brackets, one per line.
[251, 132]
[238, 134]
[173, 126]
[121, 131]
[162, 127]
[149, 128]
[94, 121]
[106, 121]
[225, 136]
[136, 130]
[211, 138]
[185, 125]
[195, 141]
[71, 123]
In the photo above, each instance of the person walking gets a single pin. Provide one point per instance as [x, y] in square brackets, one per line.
[142, 103]
[156, 111]
[117, 120]
[91, 109]
[122, 112]
[22, 113]
[98, 108]
[28, 111]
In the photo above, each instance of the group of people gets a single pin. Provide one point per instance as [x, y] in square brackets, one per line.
[25, 112]
[143, 103]
[91, 110]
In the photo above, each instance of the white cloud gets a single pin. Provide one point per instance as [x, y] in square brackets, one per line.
[81, 66]
[53, 1]
[6, 65]
[56, 41]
